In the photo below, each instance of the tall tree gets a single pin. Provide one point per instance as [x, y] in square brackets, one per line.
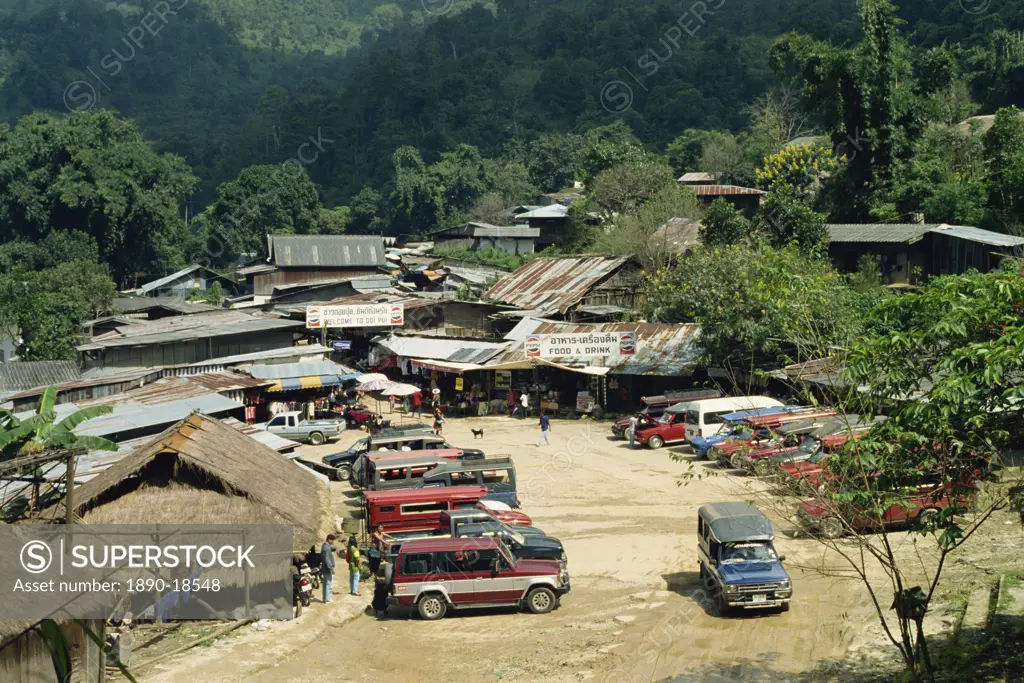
[94, 172]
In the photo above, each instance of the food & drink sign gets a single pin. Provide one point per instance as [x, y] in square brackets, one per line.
[361, 315]
[581, 345]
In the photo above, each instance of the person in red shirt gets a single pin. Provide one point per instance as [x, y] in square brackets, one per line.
[417, 403]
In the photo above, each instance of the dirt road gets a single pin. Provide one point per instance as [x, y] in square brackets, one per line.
[635, 611]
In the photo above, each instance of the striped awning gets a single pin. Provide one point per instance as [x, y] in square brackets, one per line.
[309, 382]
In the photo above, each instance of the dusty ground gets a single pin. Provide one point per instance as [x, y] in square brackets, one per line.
[634, 613]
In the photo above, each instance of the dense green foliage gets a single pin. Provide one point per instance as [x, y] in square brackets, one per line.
[93, 172]
[48, 289]
[757, 305]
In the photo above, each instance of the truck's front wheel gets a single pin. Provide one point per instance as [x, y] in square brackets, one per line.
[316, 438]
[656, 442]
[540, 600]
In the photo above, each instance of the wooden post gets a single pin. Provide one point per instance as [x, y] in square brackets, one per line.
[245, 570]
[69, 496]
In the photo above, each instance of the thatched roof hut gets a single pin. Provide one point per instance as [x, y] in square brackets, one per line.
[201, 471]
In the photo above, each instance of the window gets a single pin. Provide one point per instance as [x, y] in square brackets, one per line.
[692, 417]
[466, 561]
[276, 422]
[497, 477]
[291, 420]
[417, 564]
[387, 508]
[466, 506]
[463, 478]
[419, 508]
[715, 418]
[392, 474]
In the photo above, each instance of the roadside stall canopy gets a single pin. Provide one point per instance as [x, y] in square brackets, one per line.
[295, 376]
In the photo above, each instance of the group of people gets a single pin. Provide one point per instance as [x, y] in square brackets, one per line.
[380, 566]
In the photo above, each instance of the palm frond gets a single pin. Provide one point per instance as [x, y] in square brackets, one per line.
[59, 439]
[18, 433]
[48, 400]
[79, 416]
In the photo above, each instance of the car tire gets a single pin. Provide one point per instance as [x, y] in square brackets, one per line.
[831, 527]
[344, 473]
[540, 600]
[784, 607]
[736, 461]
[618, 433]
[721, 603]
[928, 517]
[703, 572]
[655, 442]
[316, 438]
[431, 607]
[762, 468]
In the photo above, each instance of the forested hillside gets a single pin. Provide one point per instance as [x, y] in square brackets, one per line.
[431, 74]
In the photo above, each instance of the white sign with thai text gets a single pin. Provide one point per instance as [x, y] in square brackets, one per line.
[581, 345]
[360, 315]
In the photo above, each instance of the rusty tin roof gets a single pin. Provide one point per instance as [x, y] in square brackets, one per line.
[549, 285]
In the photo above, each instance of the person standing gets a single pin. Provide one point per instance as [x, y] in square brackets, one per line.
[510, 402]
[417, 404]
[633, 422]
[353, 565]
[438, 421]
[524, 404]
[381, 579]
[327, 567]
[545, 427]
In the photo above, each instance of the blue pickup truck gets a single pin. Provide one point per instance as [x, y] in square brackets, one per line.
[737, 558]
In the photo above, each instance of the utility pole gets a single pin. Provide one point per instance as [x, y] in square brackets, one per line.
[69, 496]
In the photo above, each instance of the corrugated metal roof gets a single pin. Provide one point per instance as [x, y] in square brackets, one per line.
[697, 177]
[138, 304]
[724, 190]
[661, 349]
[254, 269]
[130, 417]
[966, 232]
[287, 370]
[898, 233]
[287, 352]
[86, 382]
[320, 251]
[22, 375]
[488, 230]
[435, 348]
[550, 285]
[187, 328]
[551, 211]
[158, 284]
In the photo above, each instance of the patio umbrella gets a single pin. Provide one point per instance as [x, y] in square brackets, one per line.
[400, 389]
[382, 383]
[371, 377]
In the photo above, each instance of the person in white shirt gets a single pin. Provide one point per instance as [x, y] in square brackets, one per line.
[633, 421]
[524, 401]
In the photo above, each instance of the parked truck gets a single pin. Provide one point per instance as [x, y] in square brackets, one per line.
[293, 426]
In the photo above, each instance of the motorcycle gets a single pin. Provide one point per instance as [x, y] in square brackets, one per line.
[302, 589]
[313, 576]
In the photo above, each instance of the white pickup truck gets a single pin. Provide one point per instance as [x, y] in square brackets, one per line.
[293, 426]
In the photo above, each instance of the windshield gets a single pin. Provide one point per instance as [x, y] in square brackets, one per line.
[809, 446]
[664, 419]
[358, 446]
[726, 429]
[508, 557]
[738, 553]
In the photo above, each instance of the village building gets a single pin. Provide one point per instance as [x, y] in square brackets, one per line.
[551, 220]
[907, 252]
[17, 376]
[201, 471]
[25, 656]
[195, 279]
[513, 239]
[294, 259]
[697, 178]
[187, 339]
[745, 199]
[571, 288]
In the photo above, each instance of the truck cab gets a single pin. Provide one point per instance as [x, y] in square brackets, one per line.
[736, 553]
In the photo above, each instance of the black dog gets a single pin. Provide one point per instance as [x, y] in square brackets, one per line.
[477, 433]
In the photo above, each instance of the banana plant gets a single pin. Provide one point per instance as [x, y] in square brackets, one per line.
[40, 432]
